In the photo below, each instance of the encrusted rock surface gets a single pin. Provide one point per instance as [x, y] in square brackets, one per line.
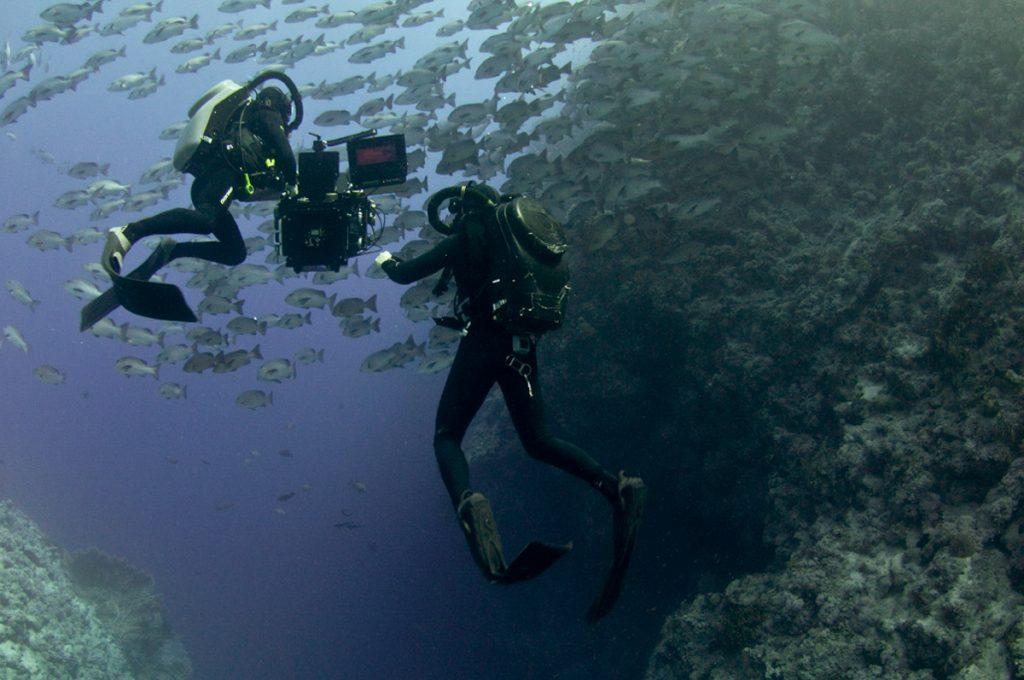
[57, 613]
[828, 359]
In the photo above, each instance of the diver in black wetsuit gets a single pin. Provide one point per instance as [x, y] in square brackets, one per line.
[486, 355]
[263, 143]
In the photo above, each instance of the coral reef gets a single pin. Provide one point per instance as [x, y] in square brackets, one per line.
[809, 330]
[49, 628]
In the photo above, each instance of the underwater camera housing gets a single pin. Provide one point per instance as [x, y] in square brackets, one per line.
[319, 227]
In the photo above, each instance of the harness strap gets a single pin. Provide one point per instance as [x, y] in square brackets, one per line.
[522, 368]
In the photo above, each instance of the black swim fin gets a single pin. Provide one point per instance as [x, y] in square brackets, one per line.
[154, 300]
[633, 495]
[98, 308]
[532, 561]
[139, 295]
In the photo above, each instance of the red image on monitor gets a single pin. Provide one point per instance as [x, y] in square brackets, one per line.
[372, 155]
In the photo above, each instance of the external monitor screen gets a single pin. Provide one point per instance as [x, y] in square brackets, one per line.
[377, 161]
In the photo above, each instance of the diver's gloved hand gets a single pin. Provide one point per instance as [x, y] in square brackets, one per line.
[385, 256]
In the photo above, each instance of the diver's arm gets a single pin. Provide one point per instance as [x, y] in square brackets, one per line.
[272, 128]
[435, 259]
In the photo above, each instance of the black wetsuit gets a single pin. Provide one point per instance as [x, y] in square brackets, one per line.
[212, 192]
[480, 361]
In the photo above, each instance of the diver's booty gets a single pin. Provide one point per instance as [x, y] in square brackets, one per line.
[632, 496]
[114, 250]
[477, 522]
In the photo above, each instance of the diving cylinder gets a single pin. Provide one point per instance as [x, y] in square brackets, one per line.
[207, 120]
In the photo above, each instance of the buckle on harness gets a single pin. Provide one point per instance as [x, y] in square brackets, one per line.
[522, 368]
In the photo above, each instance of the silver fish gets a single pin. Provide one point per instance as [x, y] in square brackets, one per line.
[359, 326]
[49, 374]
[174, 354]
[307, 298]
[276, 370]
[82, 289]
[133, 366]
[234, 6]
[232, 361]
[173, 391]
[171, 28]
[254, 31]
[15, 338]
[434, 364]
[353, 305]
[20, 294]
[196, 63]
[199, 362]
[254, 399]
[106, 328]
[308, 355]
[142, 337]
[45, 239]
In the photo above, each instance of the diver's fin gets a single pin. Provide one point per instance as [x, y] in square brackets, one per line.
[147, 298]
[534, 560]
[627, 520]
[140, 296]
[153, 300]
[481, 531]
[98, 308]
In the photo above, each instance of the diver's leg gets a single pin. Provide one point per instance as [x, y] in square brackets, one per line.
[469, 380]
[228, 249]
[526, 407]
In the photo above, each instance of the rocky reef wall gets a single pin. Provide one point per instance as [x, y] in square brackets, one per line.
[803, 323]
[85, 615]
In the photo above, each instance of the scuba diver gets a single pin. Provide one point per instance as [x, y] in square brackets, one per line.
[236, 146]
[505, 252]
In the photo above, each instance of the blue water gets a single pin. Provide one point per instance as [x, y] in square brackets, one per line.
[254, 594]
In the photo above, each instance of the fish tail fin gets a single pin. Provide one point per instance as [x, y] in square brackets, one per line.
[35, 218]
[320, 356]
[371, 303]
[156, 372]
[421, 349]
[104, 168]
[273, 24]
[194, 22]
[68, 242]
[238, 306]
[389, 101]
[331, 300]
[270, 395]
[255, 353]
[184, 391]
[308, 318]
[152, 73]
[159, 6]
[216, 54]
[261, 327]
[32, 305]
[160, 338]
[375, 326]
[401, 43]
